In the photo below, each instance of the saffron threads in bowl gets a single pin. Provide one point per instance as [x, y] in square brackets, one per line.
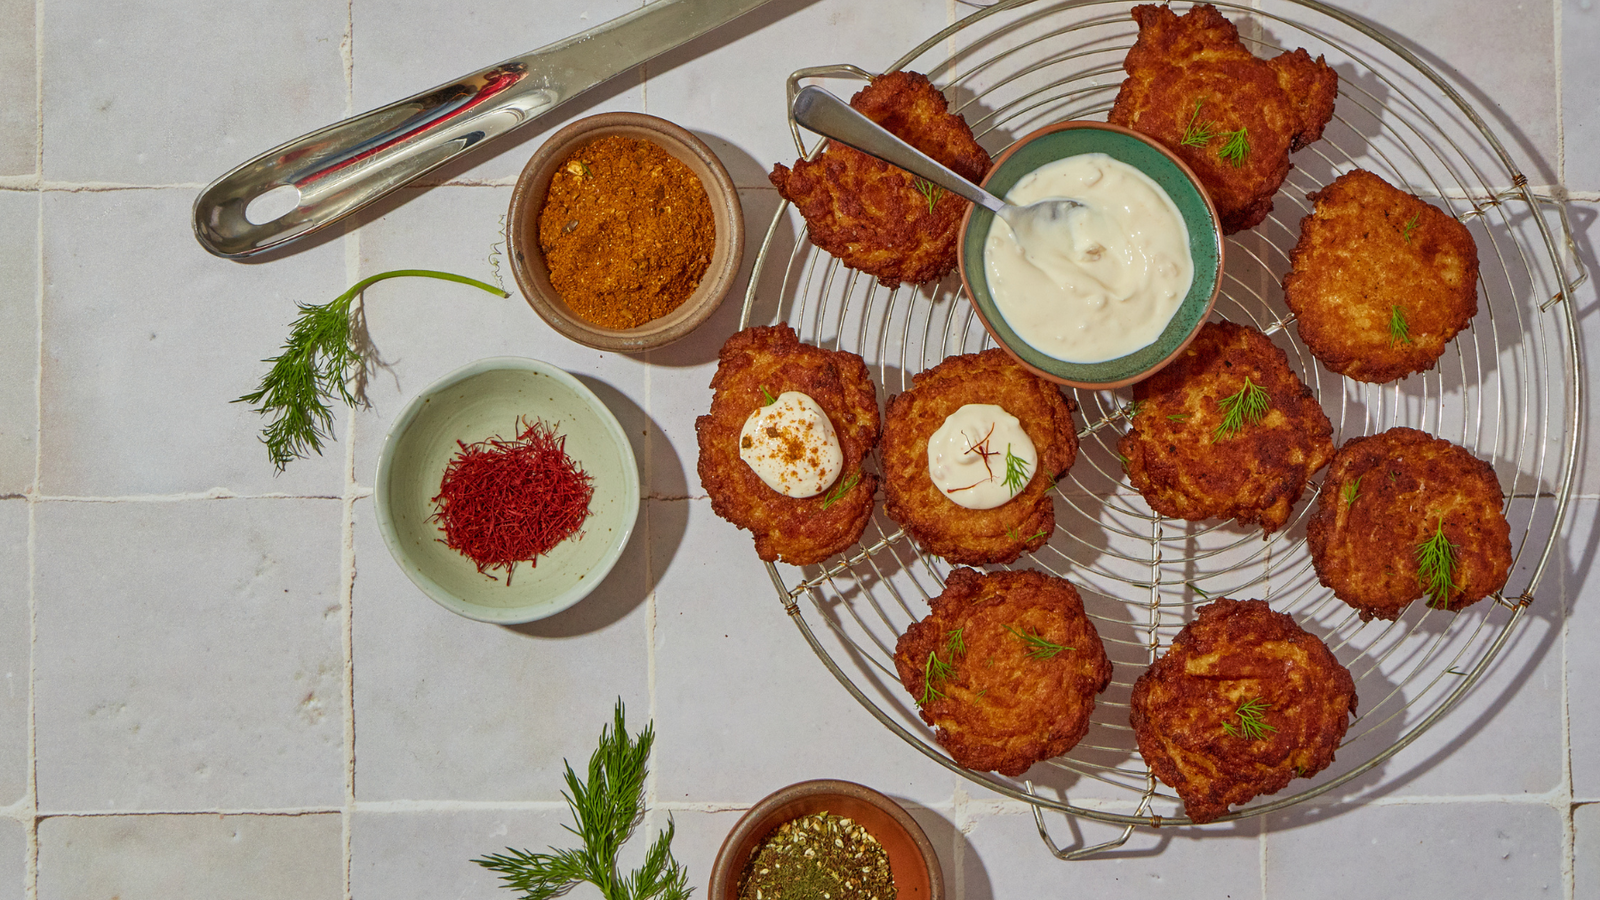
[502, 501]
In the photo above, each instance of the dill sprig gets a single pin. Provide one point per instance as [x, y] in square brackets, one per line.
[606, 808]
[1246, 406]
[1399, 330]
[1039, 647]
[1252, 722]
[1132, 408]
[955, 643]
[930, 192]
[1197, 133]
[1351, 490]
[316, 365]
[767, 396]
[1409, 227]
[934, 670]
[1178, 417]
[1437, 559]
[1235, 147]
[1016, 535]
[840, 488]
[1016, 472]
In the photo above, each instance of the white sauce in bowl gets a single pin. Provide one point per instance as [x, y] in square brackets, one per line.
[974, 451]
[791, 446]
[1102, 281]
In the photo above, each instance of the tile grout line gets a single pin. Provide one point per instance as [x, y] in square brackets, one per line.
[1568, 824]
[30, 876]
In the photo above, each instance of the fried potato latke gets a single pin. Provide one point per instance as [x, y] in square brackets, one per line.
[1379, 281]
[1243, 701]
[797, 530]
[939, 525]
[1005, 668]
[1388, 494]
[1193, 86]
[874, 216]
[1181, 453]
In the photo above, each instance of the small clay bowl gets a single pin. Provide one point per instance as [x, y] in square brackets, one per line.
[533, 274]
[1060, 141]
[912, 863]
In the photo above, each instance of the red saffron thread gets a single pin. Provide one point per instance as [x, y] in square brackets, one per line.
[502, 502]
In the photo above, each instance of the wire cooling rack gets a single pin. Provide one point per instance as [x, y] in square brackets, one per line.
[1507, 389]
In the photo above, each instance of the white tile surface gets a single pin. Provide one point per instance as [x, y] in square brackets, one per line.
[190, 656]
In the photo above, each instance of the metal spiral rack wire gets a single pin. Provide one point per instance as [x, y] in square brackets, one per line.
[1507, 389]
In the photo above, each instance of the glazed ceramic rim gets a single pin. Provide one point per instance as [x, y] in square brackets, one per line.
[759, 821]
[1205, 243]
[548, 606]
[527, 260]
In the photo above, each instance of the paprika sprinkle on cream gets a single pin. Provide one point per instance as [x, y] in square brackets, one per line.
[626, 231]
[508, 501]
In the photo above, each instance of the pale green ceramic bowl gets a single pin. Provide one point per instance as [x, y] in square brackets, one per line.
[1060, 141]
[479, 401]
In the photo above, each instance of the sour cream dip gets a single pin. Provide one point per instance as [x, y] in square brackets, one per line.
[791, 446]
[1103, 280]
[980, 457]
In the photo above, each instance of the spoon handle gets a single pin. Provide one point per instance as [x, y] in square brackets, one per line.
[334, 171]
[831, 117]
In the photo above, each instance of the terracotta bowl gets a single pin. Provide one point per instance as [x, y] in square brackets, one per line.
[912, 863]
[533, 274]
[1060, 141]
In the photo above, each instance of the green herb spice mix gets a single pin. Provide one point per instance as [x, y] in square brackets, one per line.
[818, 857]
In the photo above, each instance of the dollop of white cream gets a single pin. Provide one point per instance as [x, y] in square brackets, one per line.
[973, 451]
[791, 446]
[1103, 280]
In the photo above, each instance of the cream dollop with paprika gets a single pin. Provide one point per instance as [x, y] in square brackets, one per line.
[980, 457]
[791, 446]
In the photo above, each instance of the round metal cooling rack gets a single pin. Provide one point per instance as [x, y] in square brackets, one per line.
[1507, 389]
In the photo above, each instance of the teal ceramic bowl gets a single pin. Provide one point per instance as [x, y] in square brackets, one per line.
[1060, 141]
[482, 400]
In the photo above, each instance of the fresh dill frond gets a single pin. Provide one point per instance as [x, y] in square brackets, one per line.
[1246, 406]
[840, 489]
[767, 396]
[1399, 331]
[1178, 417]
[1204, 594]
[1197, 133]
[1016, 472]
[930, 192]
[955, 643]
[316, 365]
[1235, 148]
[1409, 227]
[1252, 722]
[1351, 490]
[1122, 459]
[1039, 647]
[934, 670]
[1132, 408]
[606, 809]
[1437, 559]
[1016, 535]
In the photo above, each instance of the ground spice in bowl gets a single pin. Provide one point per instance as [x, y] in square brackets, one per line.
[626, 231]
[818, 857]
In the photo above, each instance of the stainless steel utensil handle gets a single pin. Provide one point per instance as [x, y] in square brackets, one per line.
[337, 170]
[833, 118]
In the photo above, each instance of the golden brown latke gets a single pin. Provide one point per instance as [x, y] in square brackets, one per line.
[1188, 465]
[984, 669]
[1384, 496]
[1192, 84]
[1369, 253]
[872, 215]
[939, 525]
[1296, 698]
[796, 530]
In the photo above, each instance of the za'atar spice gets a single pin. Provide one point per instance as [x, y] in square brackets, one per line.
[818, 857]
[502, 502]
[626, 230]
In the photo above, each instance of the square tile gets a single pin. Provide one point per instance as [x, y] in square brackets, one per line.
[744, 706]
[148, 341]
[19, 339]
[213, 674]
[19, 80]
[160, 857]
[125, 100]
[16, 650]
[1585, 849]
[1575, 564]
[1580, 94]
[13, 859]
[452, 709]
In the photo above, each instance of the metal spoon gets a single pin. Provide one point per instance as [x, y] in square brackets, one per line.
[1038, 226]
